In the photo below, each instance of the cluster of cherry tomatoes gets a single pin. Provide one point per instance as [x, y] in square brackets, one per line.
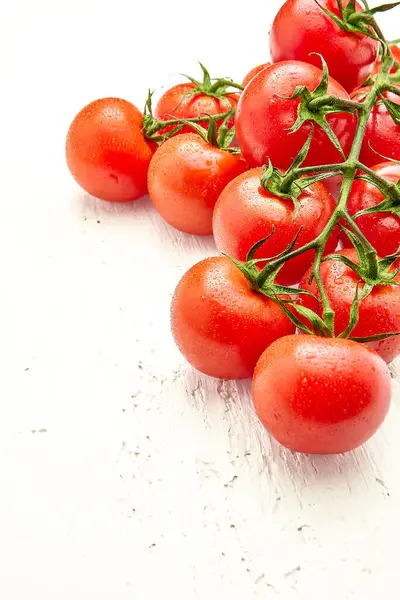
[201, 156]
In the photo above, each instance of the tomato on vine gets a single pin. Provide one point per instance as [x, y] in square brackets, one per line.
[281, 106]
[321, 396]
[251, 74]
[248, 210]
[195, 99]
[186, 176]
[378, 313]
[302, 28]
[220, 324]
[382, 229]
[395, 52]
[382, 134]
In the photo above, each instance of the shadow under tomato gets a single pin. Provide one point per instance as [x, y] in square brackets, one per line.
[102, 207]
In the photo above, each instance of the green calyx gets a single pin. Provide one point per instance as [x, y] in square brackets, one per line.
[267, 286]
[216, 87]
[152, 126]
[221, 137]
[390, 191]
[370, 269]
[290, 185]
[316, 105]
[282, 295]
[154, 129]
[360, 22]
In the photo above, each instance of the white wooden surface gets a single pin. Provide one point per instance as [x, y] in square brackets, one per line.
[125, 474]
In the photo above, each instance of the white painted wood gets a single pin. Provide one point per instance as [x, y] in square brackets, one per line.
[125, 474]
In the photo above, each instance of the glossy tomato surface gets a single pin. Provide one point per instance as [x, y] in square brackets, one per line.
[378, 313]
[253, 73]
[382, 135]
[220, 324]
[246, 212]
[107, 152]
[381, 229]
[264, 118]
[301, 28]
[176, 104]
[186, 176]
[320, 395]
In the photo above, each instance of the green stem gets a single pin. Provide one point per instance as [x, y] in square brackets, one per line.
[227, 82]
[334, 101]
[300, 171]
[394, 89]
[327, 312]
[388, 188]
[349, 169]
[157, 125]
[370, 253]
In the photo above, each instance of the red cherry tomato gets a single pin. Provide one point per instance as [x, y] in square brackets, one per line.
[245, 213]
[107, 152]
[321, 395]
[263, 118]
[220, 324]
[378, 313]
[395, 50]
[301, 28]
[382, 135]
[381, 229]
[253, 73]
[185, 179]
[175, 104]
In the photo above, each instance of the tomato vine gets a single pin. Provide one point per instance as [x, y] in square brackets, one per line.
[313, 107]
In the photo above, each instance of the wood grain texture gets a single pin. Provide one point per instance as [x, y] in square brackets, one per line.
[125, 474]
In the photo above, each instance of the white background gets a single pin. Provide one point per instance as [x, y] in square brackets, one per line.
[123, 473]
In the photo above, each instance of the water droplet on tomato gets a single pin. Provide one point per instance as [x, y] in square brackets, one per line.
[339, 280]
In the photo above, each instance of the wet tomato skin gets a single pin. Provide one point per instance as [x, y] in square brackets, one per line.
[321, 396]
[378, 313]
[106, 151]
[175, 104]
[253, 73]
[186, 176]
[301, 28]
[382, 135]
[246, 213]
[220, 325]
[381, 229]
[264, 117]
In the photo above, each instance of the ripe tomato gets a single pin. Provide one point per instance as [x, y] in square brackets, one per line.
[186, 176]
[107, 152]
[395, 50]
[378, 313]
[321, 395]
[253, 73]
[245, 213]
[382, 134]
[174, 104]
[263, 119]
[301, 27]
[381, 229]
[220, 324]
